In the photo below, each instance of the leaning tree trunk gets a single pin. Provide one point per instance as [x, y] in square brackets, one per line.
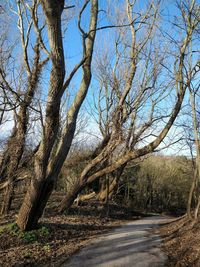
[47, 169]
[34, 203]
[68, 200]
[13, 156]
[7, 200]
[113, 185]
[86, 197]
[192, 189]
[9, 166]
[15, 145]
[40, 189]
[103, 194]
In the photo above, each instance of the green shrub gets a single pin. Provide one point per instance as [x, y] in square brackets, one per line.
[13, 227]
[44, 231]
[29, 237]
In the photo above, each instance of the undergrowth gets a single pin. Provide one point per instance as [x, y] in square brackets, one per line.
[29, 236]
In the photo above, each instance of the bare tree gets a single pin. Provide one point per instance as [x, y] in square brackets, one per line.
[194, 190]
[132, 123]
[47, 168]
[33, 66]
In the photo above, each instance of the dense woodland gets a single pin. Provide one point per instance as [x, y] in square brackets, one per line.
[99, 101]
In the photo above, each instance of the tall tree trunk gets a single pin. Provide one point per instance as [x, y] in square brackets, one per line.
[15, 145]
[46, 168]
[192, 189]
[7, 200]
[13, 156]
[41, 187]
[196, 179]
[90, 173]
[196, 212]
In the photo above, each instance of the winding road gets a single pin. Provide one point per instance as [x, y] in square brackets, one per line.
[130, 245]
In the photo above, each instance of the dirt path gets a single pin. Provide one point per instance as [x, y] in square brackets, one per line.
[130, 245]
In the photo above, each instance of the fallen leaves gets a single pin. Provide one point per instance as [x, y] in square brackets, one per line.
[59, 235]
[181, 243]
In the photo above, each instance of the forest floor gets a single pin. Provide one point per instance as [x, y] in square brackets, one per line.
[181, 242]
[59, 236]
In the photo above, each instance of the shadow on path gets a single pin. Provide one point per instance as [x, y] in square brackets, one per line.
[130, 246]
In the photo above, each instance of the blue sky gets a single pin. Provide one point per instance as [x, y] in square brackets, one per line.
[73, 43]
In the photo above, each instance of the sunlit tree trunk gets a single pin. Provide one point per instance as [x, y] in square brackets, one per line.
[196, 179]
[41, 188]
[16, 143]
[46, 168]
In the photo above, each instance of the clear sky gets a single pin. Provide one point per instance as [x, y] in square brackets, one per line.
[104, 40]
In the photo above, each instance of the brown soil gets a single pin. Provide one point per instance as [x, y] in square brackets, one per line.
[58, 236]
[181, 243]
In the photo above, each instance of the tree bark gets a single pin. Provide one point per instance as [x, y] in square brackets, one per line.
[34, 203]
[90, 173]
[87, 197]
[105, 192]
[195, 181]
[192, 189]
[15, 145]
[41, 187]
[46, 168]
[7, 200]
[68, 200]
